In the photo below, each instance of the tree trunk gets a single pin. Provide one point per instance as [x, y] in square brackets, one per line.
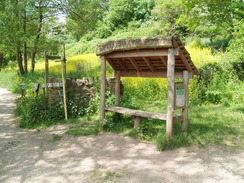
[33, 56]
[33, 59]
[1, 61]
[19, 62]
[25, 58]
[25, 44]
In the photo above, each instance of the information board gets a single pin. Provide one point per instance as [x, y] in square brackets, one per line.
[180, 97]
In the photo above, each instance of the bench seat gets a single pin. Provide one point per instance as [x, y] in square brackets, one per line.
[144, 114]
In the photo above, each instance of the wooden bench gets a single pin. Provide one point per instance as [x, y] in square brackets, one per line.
[137, 114]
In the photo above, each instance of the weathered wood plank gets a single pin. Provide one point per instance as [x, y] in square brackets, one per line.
[122, 65]
[149, 74]
[137, 43]
[140, 113]
[163, 59]
[112, 64]
[138, 53]
[185, 61]
[135, 64]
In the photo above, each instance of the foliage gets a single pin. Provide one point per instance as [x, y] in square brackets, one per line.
[168, 13]
[34, 112]
[123, 14]
[210, 18]
[82, 16]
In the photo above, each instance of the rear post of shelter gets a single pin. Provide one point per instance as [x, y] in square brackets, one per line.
[163, 57]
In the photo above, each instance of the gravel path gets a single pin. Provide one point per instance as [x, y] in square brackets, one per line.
[30, 156]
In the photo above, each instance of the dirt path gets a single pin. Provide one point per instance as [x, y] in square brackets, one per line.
[30, 156]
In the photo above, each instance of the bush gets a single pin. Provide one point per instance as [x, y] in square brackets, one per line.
[32, 113]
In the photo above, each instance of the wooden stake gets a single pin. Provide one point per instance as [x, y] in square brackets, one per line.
[46, 71]
[64, 85]
[185, 109]
[117, 89]
[44, 99]
[171, 88]
[103, 88]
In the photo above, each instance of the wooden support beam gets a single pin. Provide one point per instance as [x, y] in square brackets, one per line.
[122, 65]
[138, 53]
[117, 88]
[149, 74]
[111, 63]
[171, 91]
[103, 88]
[135, 64]
[164, 60]
[149, 64]
[185, 61]
[182, 55]
[185, 109]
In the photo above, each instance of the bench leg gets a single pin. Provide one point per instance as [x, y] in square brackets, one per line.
[137, 121]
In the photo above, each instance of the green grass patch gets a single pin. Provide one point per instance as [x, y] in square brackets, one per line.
[207, 125]
[7, 78]
[84, 129]
[55, 138]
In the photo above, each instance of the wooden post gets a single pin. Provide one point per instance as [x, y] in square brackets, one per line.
[171, 88]
[184, 124]
[44, 98]
[117, 88]
[46, 72]
[103, 88]
[64, 86]
[137, 121]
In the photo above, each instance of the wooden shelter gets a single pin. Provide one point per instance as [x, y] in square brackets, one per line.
[163, 57]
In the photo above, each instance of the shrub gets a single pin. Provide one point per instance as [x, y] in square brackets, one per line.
[32, 113]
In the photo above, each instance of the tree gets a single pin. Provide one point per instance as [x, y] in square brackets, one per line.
[21, 27]
[210, 18]
[82, 15]
[168, 12]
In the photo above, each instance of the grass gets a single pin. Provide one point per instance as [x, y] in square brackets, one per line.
[55, 138]
[7, 78]
[207, 125]
[105, 176]
[84, 129]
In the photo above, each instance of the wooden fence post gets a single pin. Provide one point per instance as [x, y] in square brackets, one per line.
[117, 88]
[103, 88]
[64, 85]
[185, 109]
[46, 71]
[171, 90]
